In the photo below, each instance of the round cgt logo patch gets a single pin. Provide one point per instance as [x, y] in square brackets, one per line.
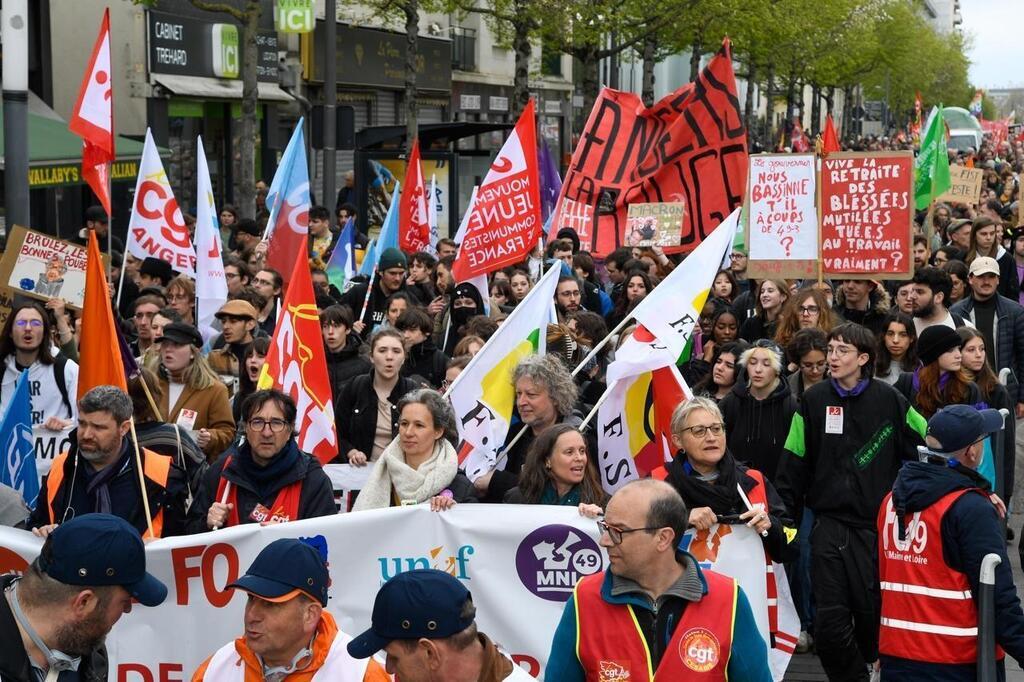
[699, 650]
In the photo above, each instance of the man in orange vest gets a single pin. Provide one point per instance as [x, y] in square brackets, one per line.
[99, 473]
[655, 614]
[934, 528]
[289, 636]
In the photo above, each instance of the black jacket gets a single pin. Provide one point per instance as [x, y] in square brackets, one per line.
[425, 360]
[873, 318]
[355, 413]
[125, 494]
[846, 475]
[377, 309]
[757, 429]
[316, 499]
[970, 529]
[346, 364]
[15, 665]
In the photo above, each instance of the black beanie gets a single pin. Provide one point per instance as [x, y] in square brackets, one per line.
[936, 340]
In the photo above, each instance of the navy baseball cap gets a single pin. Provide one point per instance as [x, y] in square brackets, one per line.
[423, 602]
[285, 568]
[99, 550]
[957, 426]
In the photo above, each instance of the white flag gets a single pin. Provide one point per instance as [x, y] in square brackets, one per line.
[211, 285]
[432, 215]
[156, 228]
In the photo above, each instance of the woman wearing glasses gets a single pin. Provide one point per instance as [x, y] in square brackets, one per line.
[807, 351]
[181, 297]
[558, 471]
[759, 408]
[26, 344]
[708, 478]
[265, 480]
[806, 309]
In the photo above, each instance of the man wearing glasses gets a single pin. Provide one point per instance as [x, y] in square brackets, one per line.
[655, 614]
[845, 446]
[266, 479]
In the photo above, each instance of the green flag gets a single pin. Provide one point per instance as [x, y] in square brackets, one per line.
[931, 168]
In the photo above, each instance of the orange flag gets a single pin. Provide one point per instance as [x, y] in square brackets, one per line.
[99, 354]
[829, 140]
[296, 364]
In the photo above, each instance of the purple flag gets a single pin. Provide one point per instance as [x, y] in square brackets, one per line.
[550, 181]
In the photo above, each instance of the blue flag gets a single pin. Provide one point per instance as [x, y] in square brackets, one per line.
[19, 463]
[342, 265]
[387, 238]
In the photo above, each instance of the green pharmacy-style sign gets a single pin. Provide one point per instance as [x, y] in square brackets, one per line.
[294, 16]
[226, 51]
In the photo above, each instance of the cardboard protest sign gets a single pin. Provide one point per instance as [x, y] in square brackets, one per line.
[782, 219]
[965, 187]
[690, 147]
[42, 266]
[654, 224]
[867, 215]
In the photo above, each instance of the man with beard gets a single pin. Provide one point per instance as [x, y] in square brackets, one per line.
[928, 297]
[55, 617]
[392, 269]
[99, 474]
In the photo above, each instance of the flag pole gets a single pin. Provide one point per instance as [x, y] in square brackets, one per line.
[594, 351]
[142, 477]
[597, 406]
[120, 281]
[366, 299]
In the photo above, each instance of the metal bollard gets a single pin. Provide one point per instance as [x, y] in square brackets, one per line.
[986, 619]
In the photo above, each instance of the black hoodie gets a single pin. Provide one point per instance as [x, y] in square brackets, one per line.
[425, 360]
[346, 363]
[970, 530]
[458, 317]
[757, 429]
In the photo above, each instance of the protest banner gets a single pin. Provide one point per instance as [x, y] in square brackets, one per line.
[44, 267]
[965, 187]
[867, 215]
[690, 147]
[781, 216]
[654, 224]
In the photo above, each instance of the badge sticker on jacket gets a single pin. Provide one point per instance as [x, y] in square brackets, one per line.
[834, 420]
[187, 419]
[699, 650]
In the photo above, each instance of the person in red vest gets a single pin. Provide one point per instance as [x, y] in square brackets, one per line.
[267, 479]
[934, 528]
[655, 614]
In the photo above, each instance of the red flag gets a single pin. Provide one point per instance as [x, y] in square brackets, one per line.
[504, 223]
[99, 353]
[93, 119]
[829, 139]
[690, 147]
[800, 143]
[296, 365]
[413, 220]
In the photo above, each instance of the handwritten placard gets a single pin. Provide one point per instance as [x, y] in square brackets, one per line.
[654, 224]
[965, 185]
[783, 222]
[42, 266]
[867, 215]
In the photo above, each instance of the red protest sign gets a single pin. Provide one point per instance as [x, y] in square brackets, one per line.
[690, 147]
[867, 215]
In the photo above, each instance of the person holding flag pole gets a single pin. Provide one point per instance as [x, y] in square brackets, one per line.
[18, 470]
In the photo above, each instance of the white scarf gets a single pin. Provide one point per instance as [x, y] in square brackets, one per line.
[415, 485]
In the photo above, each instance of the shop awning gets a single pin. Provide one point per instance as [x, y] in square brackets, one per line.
[217, 88]
[55, 153]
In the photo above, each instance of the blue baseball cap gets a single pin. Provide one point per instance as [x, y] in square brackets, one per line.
[423, 602]
[100, 550]
[957, 426]
[283, 569]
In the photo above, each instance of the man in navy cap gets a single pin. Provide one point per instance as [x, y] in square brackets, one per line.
[934, 529]
[54, 618]
[424, 620]
[288, 634]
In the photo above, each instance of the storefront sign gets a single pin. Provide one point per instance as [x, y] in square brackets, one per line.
[497, 103]
[66, 174]
[294, 16]
[376, 58]
[191, 47]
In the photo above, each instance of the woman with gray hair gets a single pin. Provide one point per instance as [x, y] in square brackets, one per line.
[421, 464]
[709, 480]
[545, 395]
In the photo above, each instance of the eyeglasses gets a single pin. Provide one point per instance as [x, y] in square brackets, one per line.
[276, 425]
[812, 366]
[263, 282]
[840, 351]
[35, 324]
[616, 533]
[231, 275]
[809, 310]
[701, 430]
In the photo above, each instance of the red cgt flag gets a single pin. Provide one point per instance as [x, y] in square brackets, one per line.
[296, 365]
[413, 220]
[93, 119]
[829, 139]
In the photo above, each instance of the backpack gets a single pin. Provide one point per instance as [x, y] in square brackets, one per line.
[59, 363]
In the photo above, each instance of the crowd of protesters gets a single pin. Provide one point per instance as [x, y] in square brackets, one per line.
[770, 360]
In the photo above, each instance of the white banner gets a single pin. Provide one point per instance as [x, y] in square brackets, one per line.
[519, 562]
